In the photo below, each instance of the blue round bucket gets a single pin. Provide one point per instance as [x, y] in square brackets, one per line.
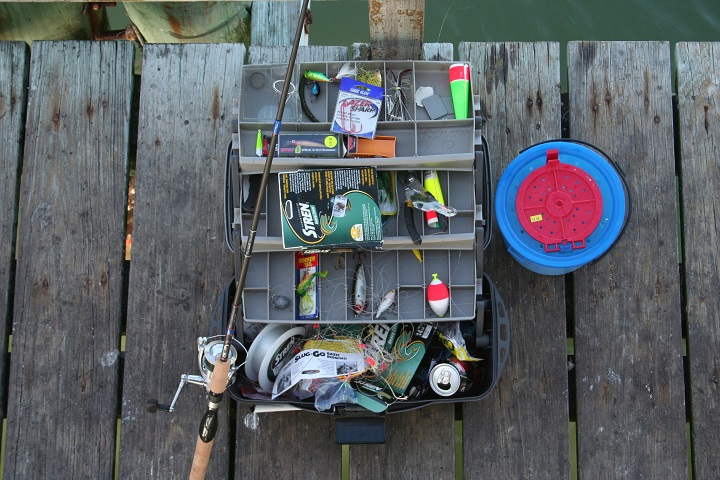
[561, 205]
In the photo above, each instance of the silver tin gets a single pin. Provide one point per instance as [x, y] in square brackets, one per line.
[448, 378]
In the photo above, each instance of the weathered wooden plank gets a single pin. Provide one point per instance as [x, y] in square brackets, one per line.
[14, 58]
[415, 438]
[438, 51]
[289, 444]
[521, 429]
[273, 23]
[180, 262]
[698, 88]
[628, 338]
[420, 444]
[281, 54]
[396, 28]
[64, 370]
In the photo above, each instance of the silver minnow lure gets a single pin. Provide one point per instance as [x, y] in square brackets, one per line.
[359, 291]
[386, 302]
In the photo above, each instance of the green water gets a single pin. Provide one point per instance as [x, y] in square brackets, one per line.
[343, 22]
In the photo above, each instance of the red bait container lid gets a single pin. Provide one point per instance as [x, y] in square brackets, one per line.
[559, 204]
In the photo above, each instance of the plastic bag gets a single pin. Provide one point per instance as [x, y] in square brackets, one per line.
[332, 391]
[451, 337]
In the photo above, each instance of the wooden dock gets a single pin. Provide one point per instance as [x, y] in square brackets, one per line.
[613, 370]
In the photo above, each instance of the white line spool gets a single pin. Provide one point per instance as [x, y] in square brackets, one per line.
[269, 350]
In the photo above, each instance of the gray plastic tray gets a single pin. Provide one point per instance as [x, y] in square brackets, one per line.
[273, 274]
[447, 145]
[459, 192]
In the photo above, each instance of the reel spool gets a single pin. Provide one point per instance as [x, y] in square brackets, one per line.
[209, 352]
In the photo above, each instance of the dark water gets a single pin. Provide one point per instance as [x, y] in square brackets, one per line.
[453, 21]
[343, 22]
[346, 21]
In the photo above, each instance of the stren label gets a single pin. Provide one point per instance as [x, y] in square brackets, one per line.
[325, 209]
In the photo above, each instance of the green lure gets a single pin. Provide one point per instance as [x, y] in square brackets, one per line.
[316, 76]
[306, 283]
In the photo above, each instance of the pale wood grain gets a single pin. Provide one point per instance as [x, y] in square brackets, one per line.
[14, 58]
[628, 337]
[64, 373]
[521, 429]
[698, 89]
[180, 262]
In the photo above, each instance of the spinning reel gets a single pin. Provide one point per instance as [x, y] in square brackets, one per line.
[209, 351]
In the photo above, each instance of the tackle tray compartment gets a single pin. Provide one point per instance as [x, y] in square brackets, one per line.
[451, 254]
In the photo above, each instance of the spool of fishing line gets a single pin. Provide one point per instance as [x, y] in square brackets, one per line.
[268, 352]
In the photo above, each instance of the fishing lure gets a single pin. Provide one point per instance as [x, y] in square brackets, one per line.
[387, 200]
[314, 90]
[359, 291]
[311, 79]
[307, 282]
[386, 302]
[399, 94]
[438, 296]
[372, 78]
[315, 76]
[346, 70]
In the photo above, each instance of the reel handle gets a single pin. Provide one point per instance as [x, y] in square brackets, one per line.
[153, 406]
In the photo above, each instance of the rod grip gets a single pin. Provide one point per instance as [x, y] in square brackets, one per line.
[200, 459]
[219, 378]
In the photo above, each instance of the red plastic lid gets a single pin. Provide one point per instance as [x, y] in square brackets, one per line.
[559, 205]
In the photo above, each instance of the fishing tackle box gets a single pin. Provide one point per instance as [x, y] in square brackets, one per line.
[452, 147]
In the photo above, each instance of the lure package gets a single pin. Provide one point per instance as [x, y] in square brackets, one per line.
[408, 343]
[357, 108]
[324, 210]
[306, 286]
[382, 146]
[323, 145]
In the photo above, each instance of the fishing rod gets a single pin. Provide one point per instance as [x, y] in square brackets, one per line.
[219, 378]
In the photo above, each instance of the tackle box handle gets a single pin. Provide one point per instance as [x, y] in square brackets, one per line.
[360, 430]
[502, 323]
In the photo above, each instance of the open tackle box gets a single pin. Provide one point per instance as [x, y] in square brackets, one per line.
[423, 139]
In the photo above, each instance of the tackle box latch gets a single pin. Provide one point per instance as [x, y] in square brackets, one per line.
[355, 426]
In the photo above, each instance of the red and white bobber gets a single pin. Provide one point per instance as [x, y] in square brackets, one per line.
[438, 296]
